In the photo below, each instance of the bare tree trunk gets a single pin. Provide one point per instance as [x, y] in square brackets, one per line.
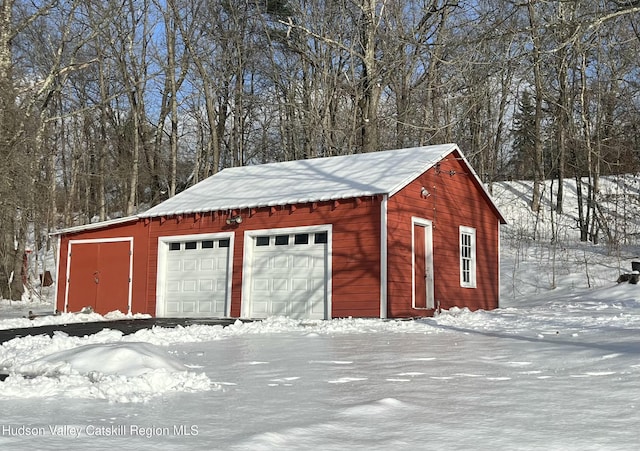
[538, 156]
[563, 106]
[133, 67]
[369, 83]
[170, 36]
[135, 154]
[586, 129]
[102, 147]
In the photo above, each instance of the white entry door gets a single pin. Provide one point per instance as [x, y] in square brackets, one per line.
[288, 274]
[196, 277]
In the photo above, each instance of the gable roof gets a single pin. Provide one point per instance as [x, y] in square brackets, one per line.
[303, 181]
[311, 180]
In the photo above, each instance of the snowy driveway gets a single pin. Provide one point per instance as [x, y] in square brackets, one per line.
[559, 375]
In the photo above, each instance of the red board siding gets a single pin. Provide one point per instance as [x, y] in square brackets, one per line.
[454, 200]
[355, 247]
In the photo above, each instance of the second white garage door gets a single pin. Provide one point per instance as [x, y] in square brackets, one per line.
[287, 273]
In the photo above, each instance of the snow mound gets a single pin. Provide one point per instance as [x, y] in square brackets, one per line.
[113, 388]
[125, 359]
[117, 372]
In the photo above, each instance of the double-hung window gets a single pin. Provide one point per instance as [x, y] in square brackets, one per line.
[467, 257]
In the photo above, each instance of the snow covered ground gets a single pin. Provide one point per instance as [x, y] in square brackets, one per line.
[559, 371]
[556, 367]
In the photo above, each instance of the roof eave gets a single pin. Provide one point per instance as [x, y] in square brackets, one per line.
[245, 206]
[94, 225]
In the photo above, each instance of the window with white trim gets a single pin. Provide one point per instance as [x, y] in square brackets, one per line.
[467, 257]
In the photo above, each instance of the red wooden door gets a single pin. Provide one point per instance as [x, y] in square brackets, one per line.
[422, 266]
[99, 276]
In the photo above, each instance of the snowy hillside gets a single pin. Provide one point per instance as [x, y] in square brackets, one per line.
[531, 267]
[619, 201]
[556, 367]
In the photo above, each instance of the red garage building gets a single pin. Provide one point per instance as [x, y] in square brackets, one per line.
[397, 233]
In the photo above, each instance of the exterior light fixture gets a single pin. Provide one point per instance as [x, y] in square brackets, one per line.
[234, 220]
[424, 192]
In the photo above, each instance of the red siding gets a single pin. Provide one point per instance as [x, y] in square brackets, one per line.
[455, 200]
[355, 247]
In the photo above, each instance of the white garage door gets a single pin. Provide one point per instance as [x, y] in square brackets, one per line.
[288, 275]
[196, 278]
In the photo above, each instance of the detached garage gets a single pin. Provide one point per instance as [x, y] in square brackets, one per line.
[397, 233]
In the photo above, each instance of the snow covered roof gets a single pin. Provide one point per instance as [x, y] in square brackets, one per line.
[302, 181]
[95, 225]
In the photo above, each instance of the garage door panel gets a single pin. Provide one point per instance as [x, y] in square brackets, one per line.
[99, 275]
[288, 279]
[207, 264]
[299, 285]
[83, 263]
[261, 263]
[205, 307]
[196, 278]
[188, 306]
[280, 262]
[280, 307]
[173, 286]
[281, 285]
[301, 261]
[298, 309]
[206, 286]
[260, 285]
[172, 307]
[317, 307]
[189, 286]
[260, 307]
[218, 305]
[318, 262]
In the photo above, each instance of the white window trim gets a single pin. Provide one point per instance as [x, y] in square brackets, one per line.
[470, 231]
[163, 249]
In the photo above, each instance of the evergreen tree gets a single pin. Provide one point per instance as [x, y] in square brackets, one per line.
[524, 139]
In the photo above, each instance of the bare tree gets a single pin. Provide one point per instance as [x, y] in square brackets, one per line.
[539, 98]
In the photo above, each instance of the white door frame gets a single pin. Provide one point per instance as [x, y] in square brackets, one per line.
[247, 260]
[428, 255]
[98, 241]
[163, 250]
